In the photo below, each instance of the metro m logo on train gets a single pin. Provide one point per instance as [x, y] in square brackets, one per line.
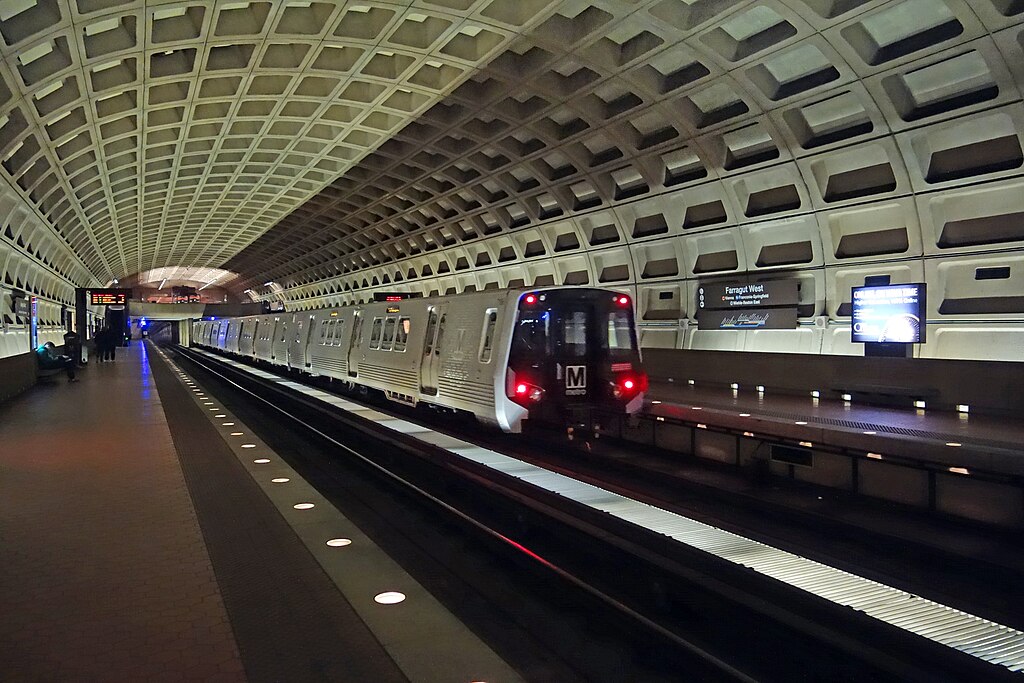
[575, 380]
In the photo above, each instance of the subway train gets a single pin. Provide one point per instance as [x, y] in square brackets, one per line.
[552, 355]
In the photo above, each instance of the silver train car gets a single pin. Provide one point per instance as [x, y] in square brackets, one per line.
[548, 354]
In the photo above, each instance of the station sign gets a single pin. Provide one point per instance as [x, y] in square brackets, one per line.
[733, 295]
[109, 297]
[21, 306]
[748, 319]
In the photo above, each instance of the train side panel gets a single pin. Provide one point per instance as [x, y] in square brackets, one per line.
[328, 340]
[385, 359]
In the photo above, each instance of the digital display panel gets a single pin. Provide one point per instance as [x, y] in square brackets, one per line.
[891, 313]
[109, 297]
[393, 296]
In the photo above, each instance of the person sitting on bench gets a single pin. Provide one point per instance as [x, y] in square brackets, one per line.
[49, 359]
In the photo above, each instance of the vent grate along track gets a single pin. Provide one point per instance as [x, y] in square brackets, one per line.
[982, 638]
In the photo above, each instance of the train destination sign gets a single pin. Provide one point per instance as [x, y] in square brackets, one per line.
[748, 319]
[732, 295]
[109, 297]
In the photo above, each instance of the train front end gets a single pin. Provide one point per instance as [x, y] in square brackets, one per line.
[574, 357]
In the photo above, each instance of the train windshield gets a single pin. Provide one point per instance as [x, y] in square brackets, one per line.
[566, 329]
[532, 333]
[620, 341]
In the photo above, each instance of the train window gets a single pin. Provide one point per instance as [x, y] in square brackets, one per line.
[574, 333]
[487, 338]
[357, 332]
[323, 332]
[378, 324]
[336, 327]
[389, 334]
[402, 334]
[531, 337]
[440, 333]
[620, 332]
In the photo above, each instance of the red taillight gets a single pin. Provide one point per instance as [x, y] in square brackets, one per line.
[622, 300]
[522, 392]
[530, 299]
[626, 386]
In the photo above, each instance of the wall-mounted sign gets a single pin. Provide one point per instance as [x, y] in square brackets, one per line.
[22, 307]
[748, 319]
[34, 323]
[890, 313]
[393, 296]
[731, 295]
[109, 297]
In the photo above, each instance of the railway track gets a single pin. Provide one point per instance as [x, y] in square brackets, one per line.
[673, 602]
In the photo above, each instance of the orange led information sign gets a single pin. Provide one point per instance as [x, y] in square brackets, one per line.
[109, 297]
[393, 296]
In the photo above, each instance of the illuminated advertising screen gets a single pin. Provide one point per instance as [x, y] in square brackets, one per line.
[891, 313]
[109, 297]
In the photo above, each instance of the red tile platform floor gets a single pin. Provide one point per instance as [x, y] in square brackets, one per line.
[104, 575]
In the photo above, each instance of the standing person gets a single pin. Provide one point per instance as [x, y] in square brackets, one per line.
[104, 343]
[97, 340]
[114, 339]
[73, 346]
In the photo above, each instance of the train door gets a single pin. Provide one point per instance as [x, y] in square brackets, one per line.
[433, 336]
[574, 353]
[279, 344]
[303, 339]
[354, 343]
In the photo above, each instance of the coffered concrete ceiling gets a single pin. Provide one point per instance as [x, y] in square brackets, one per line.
[449, 145]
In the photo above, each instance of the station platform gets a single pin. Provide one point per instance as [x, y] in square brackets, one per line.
[962, 465]
[135, 544]
[981, 442]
